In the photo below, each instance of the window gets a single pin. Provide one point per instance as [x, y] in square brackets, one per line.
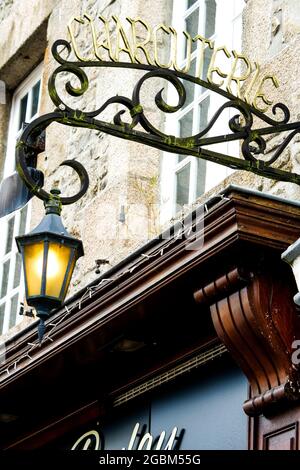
[25, 105]
[184, 178]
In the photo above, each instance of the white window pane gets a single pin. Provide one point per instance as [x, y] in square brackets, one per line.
[181, 158]
[190, 86]
[2, 310]
[190, 3]
[23, 108]
[10, 233]
[186, 124]
[203, 113]
[23, 220]
[13, 310]
[35, 98]
[191, 26]
[210, 20]
[5, 273]
[17, 274]
[201, 174]
[207, 57]
[185, 129]
[182, 185]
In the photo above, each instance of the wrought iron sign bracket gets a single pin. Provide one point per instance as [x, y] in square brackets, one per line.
[243, 126]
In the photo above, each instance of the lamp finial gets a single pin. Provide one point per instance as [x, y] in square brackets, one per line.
[53, 205]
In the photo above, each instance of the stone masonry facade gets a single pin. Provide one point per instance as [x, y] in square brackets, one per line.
[116, 216]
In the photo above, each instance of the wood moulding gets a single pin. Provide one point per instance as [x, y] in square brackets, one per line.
[254, 316]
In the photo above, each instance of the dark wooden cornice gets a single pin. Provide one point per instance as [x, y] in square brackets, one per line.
[244, 231]
[254, 316]
[237, 216]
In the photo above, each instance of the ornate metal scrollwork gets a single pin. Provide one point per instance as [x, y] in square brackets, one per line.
[243, 126]
[24, 154]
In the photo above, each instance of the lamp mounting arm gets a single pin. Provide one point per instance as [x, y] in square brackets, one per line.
[31, 143]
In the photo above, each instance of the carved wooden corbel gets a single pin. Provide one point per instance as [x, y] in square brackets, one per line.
[254, 316]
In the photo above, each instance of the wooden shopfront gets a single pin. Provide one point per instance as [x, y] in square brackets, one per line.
[186, 344]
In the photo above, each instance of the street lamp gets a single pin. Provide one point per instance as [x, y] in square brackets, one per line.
[49, 254]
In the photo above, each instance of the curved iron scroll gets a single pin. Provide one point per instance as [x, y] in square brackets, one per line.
[241, 125]
[25, 152]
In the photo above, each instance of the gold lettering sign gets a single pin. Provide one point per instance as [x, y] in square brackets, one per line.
[140, 46]
[91, 440]
[235, 78]
[123, 41]
[213, 68]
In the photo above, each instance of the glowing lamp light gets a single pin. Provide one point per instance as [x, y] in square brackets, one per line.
[49, 254]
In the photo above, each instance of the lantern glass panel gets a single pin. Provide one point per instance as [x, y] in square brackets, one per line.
[69, 278]
[57, 265]
[33, 259]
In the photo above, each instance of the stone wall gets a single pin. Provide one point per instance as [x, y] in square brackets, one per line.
[5, 8]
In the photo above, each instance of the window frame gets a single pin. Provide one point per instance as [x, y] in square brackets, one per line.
[170, 164]
[20, 92]
[9, 167]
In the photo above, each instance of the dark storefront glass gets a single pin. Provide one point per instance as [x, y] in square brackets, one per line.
[208, 408]
[205, 407]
